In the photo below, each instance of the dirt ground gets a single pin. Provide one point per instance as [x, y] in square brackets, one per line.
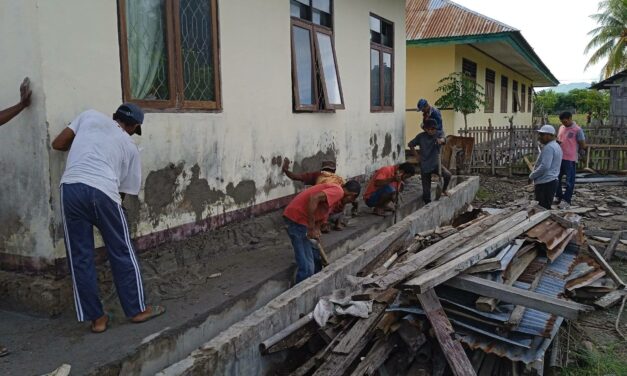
[591, 343]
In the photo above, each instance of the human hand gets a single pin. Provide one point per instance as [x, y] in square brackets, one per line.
[25, 92]
[313, 233]
[441, 141]
[286, 164]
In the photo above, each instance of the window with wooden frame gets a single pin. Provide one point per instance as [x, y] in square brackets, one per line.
[490, 82]
[504, 84]
[469, 68]
[529, 96]
[515, 101]
[169, 54]
[523, 97]
[381, 64]
[315, 76]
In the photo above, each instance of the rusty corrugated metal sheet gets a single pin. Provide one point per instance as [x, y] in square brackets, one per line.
[425, 19]
[553, 235]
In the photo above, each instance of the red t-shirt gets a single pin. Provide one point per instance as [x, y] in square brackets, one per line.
[383, 173]
[297, 209]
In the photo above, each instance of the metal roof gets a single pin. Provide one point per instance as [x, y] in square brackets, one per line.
[441, 18]
[605, 84]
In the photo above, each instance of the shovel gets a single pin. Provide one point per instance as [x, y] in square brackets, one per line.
[323, 256]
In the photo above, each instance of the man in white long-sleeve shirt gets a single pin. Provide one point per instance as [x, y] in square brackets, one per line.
[547, 168]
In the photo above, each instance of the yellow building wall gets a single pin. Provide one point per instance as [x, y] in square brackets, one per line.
[427, 65]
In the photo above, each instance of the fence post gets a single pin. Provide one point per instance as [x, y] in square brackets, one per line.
[511, 146]
[492, 146]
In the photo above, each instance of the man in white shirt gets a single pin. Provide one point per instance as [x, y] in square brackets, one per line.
[103, 164]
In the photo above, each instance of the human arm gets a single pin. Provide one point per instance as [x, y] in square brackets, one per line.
[385, 181]
[286, 170]
[542, 165]
[315, 200]
[25, 93]
[412, 146]
[63, 141]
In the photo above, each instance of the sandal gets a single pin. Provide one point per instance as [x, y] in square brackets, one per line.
[96, 331]
[156, 310]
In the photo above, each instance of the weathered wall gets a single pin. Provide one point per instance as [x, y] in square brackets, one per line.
[25, 211]
[196, 165]
[427, 65]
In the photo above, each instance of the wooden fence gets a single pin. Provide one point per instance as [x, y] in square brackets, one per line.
[508, 149]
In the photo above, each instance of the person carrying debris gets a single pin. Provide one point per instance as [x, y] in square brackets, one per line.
[325, 175]
[103, 165]
[5, 116]
[430, 112]
[547, 167]
[385, 185]
[430, 148]
[571, 138]
[304, 215]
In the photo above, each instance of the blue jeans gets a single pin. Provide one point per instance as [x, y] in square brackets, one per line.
[82, 208]
[307, 257]
[568, 168]
[375, 197]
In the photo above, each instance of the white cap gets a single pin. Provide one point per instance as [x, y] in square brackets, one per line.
[548, 129]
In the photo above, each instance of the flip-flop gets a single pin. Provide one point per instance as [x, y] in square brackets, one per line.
[3, 351]
[109, 318]
[157, 310]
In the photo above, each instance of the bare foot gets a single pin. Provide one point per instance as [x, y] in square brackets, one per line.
[101, 324]
[151, 312]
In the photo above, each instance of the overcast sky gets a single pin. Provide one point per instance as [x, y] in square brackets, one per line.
[556, 29]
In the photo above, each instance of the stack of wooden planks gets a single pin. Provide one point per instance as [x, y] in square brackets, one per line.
[486, 297]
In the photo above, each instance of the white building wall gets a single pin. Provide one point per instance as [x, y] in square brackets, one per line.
[197, 165]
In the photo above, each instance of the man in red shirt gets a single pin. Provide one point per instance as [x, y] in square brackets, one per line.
[384, 185]
[304, 215]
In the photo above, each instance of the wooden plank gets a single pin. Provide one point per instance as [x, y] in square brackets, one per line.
[401, 271]
[609, 250]
[453, 350]
[514, 295]
[517, 314]
[511, 275]
[375, 357]
[437, 275]
[608, 269]
[609, 299]
[361, 328]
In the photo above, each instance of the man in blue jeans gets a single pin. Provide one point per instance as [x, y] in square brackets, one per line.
[304, 215]
[102, 166]
[572, 141]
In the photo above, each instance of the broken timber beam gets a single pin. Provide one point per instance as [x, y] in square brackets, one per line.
[402, 271]
[452, 349]
[609, 250]
[514, 295]
[608, 269]
[517, 313]
[440, 274]
[375, 357]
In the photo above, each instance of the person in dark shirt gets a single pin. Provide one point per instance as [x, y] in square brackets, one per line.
[429, 159]
[431, 112]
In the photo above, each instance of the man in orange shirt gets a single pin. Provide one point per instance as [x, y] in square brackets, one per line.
[384, 185]
[303, 217]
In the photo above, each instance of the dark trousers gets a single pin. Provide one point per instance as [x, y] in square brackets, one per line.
[568, 168]
[307, 257]
[426, 183]
[82, 208]
[544, 193]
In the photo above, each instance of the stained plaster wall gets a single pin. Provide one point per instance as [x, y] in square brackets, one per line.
[197, 165]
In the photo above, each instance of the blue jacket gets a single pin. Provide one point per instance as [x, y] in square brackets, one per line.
[547, 166]
[436, 115]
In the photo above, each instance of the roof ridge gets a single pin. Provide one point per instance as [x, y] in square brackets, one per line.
[480, 14]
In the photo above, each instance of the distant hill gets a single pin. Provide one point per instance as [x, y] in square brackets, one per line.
[565, 88]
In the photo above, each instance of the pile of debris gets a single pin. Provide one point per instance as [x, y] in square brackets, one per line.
[486, 297]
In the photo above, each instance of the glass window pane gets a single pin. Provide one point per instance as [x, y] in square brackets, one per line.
[388, 87]
[197, 50]
[323, 5]
[304, 66]
[321, 18]
[327, 62]
[375, 30]
[298, 9]
[387, 34]
[375, 79]
[147, 51]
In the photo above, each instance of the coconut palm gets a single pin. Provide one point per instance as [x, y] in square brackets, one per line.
[610, 37]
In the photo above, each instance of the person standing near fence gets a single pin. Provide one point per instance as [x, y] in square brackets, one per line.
[572, 141]
[544, 174]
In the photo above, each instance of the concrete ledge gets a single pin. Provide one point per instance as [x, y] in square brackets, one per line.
[234, 351]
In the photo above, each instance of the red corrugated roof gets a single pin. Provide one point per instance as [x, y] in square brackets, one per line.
[427, 19]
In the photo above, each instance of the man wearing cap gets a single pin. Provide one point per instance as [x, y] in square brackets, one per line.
[430, 112]
[304, 215]
[103, 165]
[429, 159]
[547, 167]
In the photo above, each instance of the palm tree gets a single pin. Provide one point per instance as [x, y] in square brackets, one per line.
[610, 37]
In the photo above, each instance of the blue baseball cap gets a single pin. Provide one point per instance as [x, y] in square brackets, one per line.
[132, 113]
[422, 103]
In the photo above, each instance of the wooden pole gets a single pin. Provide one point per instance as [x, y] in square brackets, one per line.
[492, 146]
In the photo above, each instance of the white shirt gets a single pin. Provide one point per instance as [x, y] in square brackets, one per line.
[103, 156]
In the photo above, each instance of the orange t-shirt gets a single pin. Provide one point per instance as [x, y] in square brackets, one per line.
[386, 172]
[297, 209]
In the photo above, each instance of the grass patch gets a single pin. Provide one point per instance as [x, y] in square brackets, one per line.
[578, 118]
[483, 194]
[597, 362]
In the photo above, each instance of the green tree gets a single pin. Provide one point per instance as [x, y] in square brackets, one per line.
[461, 93]
[609, 39]
[545, 102]
[596, 102]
